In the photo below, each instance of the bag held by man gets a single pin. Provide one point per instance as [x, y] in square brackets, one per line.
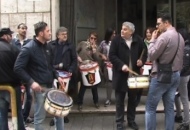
[164, 74]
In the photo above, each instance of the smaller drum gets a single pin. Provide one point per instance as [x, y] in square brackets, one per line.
[58, 103]
[109, 68]
[90, 73]
[138, 82]
[146, 68]
[65, 76]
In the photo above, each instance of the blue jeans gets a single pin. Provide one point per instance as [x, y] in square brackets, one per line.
[4, 107]
[167, 93]
[40, 113]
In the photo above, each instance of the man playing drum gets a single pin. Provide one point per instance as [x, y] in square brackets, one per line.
[34, 67]
[65, 59]
[87, 50]
[125, 51]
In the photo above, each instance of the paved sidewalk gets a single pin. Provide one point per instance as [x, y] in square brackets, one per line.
[99, 122]
[91, 118]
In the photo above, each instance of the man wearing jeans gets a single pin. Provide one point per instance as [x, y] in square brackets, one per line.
[8, 55]
[164, 48]
[34, 67]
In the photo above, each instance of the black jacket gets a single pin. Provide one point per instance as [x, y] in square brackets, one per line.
[186, 59]
[8, 55]
[119, 55]
[34, 63]
[69, 56]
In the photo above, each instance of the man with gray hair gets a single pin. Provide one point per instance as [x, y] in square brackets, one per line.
[65, 59]
[125, 53]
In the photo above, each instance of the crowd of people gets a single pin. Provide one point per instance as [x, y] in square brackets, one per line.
[34, 63]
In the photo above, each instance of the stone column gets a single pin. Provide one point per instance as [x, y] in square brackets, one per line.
[55, 17]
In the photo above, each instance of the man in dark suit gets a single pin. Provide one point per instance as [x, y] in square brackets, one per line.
[65, 59]
[124, 53]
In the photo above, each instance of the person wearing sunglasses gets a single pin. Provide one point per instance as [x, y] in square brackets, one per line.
[87, 50]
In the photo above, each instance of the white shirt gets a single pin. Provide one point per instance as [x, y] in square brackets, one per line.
[128, 42]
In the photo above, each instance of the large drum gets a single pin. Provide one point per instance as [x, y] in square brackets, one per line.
[146, 68]
[58, 103]
[138, 82]
[66, 78]
[109, 68]
[90, 73]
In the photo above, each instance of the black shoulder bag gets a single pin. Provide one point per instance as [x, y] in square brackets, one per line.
[164, 73]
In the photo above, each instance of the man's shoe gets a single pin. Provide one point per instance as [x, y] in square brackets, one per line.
[29, 120]
[133, 125]
[66, 119]
[51, 123]
[183, 127]
[178, 119]
[120, 127]
[79, 107]
[107, 103]
[97, 105]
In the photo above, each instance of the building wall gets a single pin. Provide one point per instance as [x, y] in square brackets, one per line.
[13, 12]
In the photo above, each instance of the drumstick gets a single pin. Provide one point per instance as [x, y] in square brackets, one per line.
[133, 72]
[141, 55]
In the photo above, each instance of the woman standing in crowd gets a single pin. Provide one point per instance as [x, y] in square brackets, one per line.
[104, 49]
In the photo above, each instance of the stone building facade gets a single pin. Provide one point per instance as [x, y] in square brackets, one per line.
[13, 12]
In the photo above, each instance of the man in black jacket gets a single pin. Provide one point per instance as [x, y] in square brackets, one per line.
[8, 55]
[65, 59]
[124, 53]
[34, 67]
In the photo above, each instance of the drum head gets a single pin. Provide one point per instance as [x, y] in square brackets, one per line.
[59, 98]
[63, 74]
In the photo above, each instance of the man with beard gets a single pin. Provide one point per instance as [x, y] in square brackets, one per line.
[19, 41]
[34, 67]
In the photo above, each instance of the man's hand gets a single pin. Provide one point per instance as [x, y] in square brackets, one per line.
[61, 83]
[125, 68]
[36, 87]
[104, 57]
[154, 35]
[139, 63]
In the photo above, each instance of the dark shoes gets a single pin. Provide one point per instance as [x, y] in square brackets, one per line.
[79, 107]
[52, 123]
[178, 119]
[107, 103]
[66, 119]
[29, 120]
[183, 127]
[133, 125]
[97, 105]
[120, 127]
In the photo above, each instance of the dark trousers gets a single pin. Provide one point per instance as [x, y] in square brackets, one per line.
[82, 91]
[28, 103]
[73, 88]
[120, 105]
[4, 107]
[188, 87]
